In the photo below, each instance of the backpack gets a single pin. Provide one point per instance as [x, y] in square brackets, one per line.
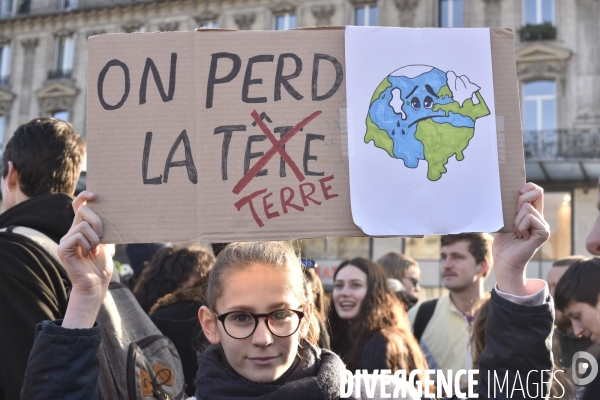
[137, 362]
[424, 314]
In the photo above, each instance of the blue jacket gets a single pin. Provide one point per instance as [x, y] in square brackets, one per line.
[63, 363]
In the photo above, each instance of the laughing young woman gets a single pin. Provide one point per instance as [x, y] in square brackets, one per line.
[370, 329]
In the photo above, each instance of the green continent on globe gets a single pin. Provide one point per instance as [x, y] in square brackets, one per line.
[374, 133]
[440, 142]
[468, 109]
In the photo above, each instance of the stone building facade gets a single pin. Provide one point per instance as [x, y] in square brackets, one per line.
[43, 64]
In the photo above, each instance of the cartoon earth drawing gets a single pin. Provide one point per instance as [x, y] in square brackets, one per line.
[419, 112]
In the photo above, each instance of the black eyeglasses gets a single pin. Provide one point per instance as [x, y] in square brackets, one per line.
[242, 324]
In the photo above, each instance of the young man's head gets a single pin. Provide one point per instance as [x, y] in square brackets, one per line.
[466, 260]
[43, 156]
[593, 240]
[577, 295]
[556, 272]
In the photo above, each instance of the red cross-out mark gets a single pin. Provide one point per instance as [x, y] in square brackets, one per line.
[276, 148]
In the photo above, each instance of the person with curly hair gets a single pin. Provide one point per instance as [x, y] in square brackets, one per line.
[168, 290]
[171, 269]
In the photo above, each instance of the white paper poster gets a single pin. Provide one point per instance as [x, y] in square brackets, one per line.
[421, 131]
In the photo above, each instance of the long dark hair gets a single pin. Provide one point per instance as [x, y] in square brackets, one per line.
[168, 270]
[380, 311]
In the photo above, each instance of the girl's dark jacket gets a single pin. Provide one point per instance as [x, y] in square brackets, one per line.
[518, 341]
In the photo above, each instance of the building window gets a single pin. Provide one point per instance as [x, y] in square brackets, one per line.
[537, 12]
[70, 4]
[539, 118]
[63, 115]
[539, 106]
[64, 57]
[366, 15]
[209, 24]
[285, 21]
[7, 8]
[4, 65]
[451, 13]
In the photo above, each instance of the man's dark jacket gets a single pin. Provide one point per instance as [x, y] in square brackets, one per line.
[32, 284]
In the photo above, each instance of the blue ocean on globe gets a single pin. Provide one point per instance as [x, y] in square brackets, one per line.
[410, 98]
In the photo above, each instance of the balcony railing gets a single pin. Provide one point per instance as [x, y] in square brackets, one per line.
[25, 7]
[552, 144]
[60, 74]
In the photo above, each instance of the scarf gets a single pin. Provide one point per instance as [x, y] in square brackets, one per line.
[315, 374]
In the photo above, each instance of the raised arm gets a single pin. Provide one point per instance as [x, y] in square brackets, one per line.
[513, 250]
[517, 360]
[63, 361]
[87, 263]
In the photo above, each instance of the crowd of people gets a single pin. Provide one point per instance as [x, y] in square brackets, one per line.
[251, 320]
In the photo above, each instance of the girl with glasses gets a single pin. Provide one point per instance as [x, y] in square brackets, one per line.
[262, 329]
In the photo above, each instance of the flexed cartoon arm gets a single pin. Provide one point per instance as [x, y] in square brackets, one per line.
[462, 92]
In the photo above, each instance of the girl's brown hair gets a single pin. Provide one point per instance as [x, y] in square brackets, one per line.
[480, 313]
[380, 311]
[277, 255]
[319, 298]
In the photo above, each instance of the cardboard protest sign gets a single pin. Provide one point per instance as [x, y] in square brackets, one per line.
[234, 135]
[220, 136]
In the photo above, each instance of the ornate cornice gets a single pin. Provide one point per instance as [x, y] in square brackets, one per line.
[63, 32]
[407, 11]
[132, 26]
[542, 69]
[169, 26]
[283, 7]
[82, 17]
[6, 101]
[206, 16]
[541, 52]
[362, 2]
[56, 96]
[407, 5]
[323, 14]
[244, 21]
[30, 45]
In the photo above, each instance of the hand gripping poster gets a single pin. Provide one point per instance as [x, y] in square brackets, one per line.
[421, 131]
